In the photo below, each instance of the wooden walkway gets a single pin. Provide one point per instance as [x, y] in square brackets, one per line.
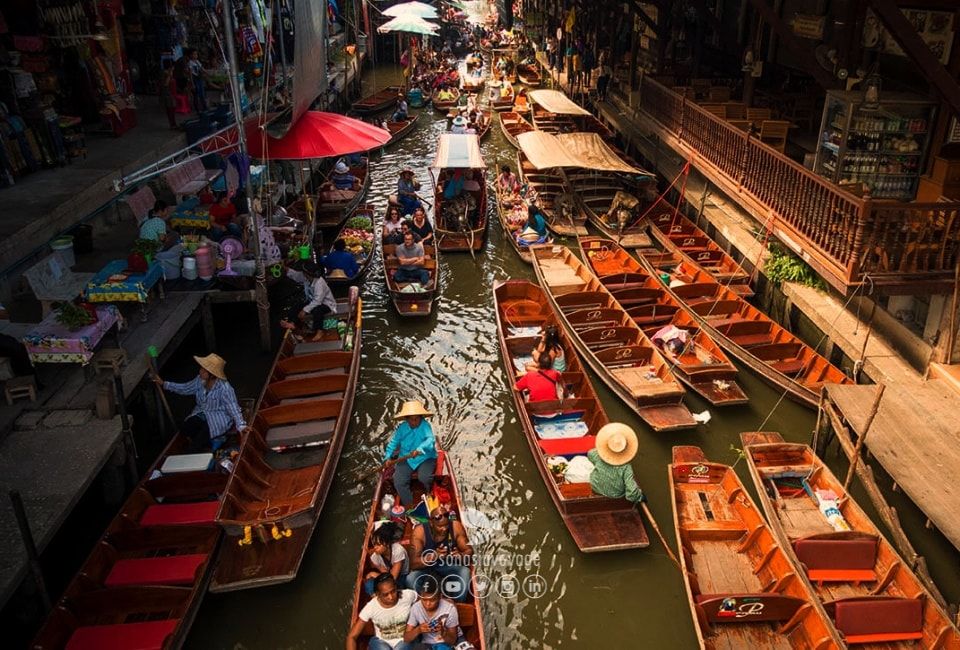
[916, 439]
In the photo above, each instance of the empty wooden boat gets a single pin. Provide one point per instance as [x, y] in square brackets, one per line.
[513, 124]
[869, 592]
[460, 223]
[529, 75]
[699, 363]
[595, 522]
[287, 461]
[143, 582]
[564, 216]
[608, 339]
[678, 233]
[361, 242]
[399, 129]
[379, 101]
[469, 613]
[412, 301]
[779, 357]
[742, 589]
[444, 105]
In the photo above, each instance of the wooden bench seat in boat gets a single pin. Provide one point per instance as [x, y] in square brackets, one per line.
[839, 556]
[601, 317]
[301, 433]
[758, 607]
[312, 347]
[633, 296]
[575, 490]
[180, 514]
[598, 338]
[625, 356]
[718, 312]
[572, 302]
[782, 357]
[149, 635]
[312, 421]
[877, 619]
[747, 332]
[300, 400]
[169, 570]
[567, 446]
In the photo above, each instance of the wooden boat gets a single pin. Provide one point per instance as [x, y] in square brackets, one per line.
[595, 522]
[511, 232]
[362, 248]
[529, 75]
[472, 83]
[460, 224]
[608, 339]
[780, 358]
[445, 104]
[701, 364]
[333, 206]
[470, 614]
[564, 216]
[377, 102]
[741, 587]
[597, 191]
[869, 592]
[488, 119]
[142, 584]
[513, 124]
[678, 233]
[287, 462]
[400, 129]
[502, 103]
[412, 305]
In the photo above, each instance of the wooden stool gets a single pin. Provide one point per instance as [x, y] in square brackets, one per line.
[110, 360]
[20, 387]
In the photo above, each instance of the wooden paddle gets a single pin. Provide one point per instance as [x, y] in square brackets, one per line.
[429, 204]
[152, 357]
[379, 468]
[656, 529]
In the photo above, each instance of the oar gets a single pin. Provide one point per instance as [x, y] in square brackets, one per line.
[430, 204]
[152, 356]
[656, 528]
[380, 468]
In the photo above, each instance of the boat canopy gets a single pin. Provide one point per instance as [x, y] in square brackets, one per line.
[554, 101]
[586, 150]
[459, 151]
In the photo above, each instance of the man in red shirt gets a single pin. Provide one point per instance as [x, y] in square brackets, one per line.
[540, 384]
[222, 215]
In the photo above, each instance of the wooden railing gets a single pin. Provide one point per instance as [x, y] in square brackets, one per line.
[844, 237]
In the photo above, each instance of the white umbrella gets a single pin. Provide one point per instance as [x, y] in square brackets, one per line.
[410, 24]
[419, 9]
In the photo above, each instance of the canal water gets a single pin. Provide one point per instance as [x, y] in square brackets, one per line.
[629, 599]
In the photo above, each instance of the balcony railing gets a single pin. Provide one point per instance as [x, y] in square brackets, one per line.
[845, 237]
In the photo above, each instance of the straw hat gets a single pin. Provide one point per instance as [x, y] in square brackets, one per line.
[413, 407]
[337, 273]
[214, 364]
[341, 167]
[406, 170]
[617, 443]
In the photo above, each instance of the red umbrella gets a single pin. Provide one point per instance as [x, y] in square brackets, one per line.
[315, 135]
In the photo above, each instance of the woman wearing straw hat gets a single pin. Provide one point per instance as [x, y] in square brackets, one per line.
[407, 187]
[612, 475]
[414, 446]
[342, 179]
[216, 409]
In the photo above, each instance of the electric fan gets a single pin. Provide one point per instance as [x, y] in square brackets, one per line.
[231, 249]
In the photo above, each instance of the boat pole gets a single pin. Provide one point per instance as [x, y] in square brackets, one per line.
[33, 557]
[656, 529]
[260, 287]
[863, 436]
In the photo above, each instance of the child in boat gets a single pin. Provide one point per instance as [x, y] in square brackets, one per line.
[434, 620]
[387, 556]
[550, 346]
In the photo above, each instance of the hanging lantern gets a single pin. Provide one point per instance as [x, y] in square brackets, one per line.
[871, 93]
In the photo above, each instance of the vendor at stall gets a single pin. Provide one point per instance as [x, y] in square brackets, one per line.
[223, 215]
[154, 227]
[317, 301]
[340, 262]
[342, 179]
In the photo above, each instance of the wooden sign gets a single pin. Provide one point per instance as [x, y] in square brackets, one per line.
[808, 26]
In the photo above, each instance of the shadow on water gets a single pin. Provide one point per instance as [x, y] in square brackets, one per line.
[624, 599]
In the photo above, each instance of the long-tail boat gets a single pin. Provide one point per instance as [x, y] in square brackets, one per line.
[409, 300]
[552, 111]
[287, 461]
[529, 75]
[379, 101]
[595, 522]
[469, 613]
[400, 129]
[700, 364]
[444, 105]
[564, 216]
[513, 227]
[142, 584]
[460, 223]
[513, 124]
[742, 588]
[780, 358]
[602, 196]
[678, 233]
[333, 206]
[870, 593]
[608, 339]
[360, 242]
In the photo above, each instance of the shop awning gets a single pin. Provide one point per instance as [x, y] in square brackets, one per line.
[554, 101]
[459, 151]
[594, 153]
[544, 151]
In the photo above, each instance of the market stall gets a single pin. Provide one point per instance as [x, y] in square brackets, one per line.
[53, 341]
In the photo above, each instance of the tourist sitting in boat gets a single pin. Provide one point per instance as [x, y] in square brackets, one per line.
[223, 214]
[506, 91]
[407, 188]
[384, 545]
[317, 301]
[440, 549]
[216, 409]
[454, 185]
[411, 258]
[434, 620]
[507, 180]
[392, 221]
[540, 383]
[536, 222]
[612, 474]
[413, 445]
[549, 346]
[421, 227]
[396, 237]
[389, 610]
[400, 113]
[340, 260]
[445, 94]
[342, 179]
[459, 125]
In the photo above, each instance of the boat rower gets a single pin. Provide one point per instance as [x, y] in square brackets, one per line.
[612, 474]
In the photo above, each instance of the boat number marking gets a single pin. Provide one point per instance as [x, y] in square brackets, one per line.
[705, 255]
[607, 334]
[689, 241]
[594, 315]
[623, 354]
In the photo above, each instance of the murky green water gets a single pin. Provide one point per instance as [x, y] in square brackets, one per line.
[631, 599]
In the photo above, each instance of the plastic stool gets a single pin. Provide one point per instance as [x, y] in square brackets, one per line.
[20, 387]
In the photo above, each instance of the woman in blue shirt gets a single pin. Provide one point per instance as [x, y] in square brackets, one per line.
[414, 446]
[536, 222]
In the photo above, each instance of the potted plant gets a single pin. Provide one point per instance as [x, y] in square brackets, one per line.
[74, 317]
[142, 254]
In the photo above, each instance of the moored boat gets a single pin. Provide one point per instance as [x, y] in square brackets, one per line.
[742, 590]
[695, 358]
[469, 613]
[400, 129]
[357, 233]
[334, 205]
[513, 124]
[286, 464]
[549, 185]
[412, 300]
[460, 222]
[553, 112]
[529, 75]
[610, 342]
[595, 522]
[869, 592]
[377, 102]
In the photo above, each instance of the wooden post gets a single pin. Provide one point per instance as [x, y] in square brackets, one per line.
[206, 319]
[33, 557]
[863, 436]
[815, 440]
[952, 334]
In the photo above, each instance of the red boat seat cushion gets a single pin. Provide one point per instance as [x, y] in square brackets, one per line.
[180, 514]
[126, 636]
[172, 570]
[879, 619]
[567, 446]
[830, 558]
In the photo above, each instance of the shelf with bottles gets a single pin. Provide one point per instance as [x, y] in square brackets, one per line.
[884, 187]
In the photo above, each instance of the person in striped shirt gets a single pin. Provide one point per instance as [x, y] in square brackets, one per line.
[217, 408]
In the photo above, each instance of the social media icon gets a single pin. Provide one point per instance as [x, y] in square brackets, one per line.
[452, 586]
[429, 557]
[508, 586]
[534, 586]
[481, 586]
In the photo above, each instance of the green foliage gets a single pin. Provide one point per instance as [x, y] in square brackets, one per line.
[782, 267]
[146, 247]
[73, 316]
